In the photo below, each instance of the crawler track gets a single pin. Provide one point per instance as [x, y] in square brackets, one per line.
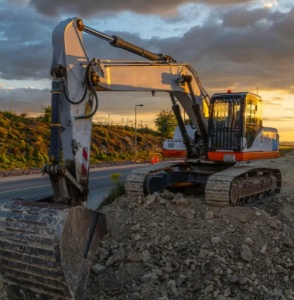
[134, 184]
[241, 184]
[233, 186]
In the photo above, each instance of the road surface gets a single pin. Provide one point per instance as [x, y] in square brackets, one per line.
[34, 187]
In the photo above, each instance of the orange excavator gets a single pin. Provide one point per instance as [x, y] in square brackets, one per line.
[47, 246]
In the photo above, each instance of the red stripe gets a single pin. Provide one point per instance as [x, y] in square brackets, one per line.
[84, 170]
[85, 154]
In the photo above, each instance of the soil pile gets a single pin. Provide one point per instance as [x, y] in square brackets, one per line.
[170, 246]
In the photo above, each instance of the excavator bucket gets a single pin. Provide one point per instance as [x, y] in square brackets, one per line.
[46, 250]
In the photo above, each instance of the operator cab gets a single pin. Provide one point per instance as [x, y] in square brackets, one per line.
[235, 130]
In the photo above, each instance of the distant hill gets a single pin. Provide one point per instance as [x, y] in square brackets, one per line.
[24, 142]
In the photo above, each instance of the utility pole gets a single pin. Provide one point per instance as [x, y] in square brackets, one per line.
[136, 129]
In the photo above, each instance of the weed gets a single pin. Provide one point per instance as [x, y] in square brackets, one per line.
[117, 191]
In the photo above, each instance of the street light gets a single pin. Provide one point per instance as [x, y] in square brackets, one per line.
[136, 129]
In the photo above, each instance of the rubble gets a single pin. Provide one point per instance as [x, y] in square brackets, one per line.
[171, 246]
[194, 251]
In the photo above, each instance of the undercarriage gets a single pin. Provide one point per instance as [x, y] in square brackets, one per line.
[224, 183]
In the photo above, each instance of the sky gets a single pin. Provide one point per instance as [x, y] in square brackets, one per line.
[241, 45]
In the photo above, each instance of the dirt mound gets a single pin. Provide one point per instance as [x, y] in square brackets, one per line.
[167, 246]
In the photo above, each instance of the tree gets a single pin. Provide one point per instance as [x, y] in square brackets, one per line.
[47, 114]
[165, 123]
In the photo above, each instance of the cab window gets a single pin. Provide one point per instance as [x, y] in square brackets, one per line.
[253, 118]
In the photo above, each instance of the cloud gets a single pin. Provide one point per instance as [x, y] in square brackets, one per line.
[236, 48]
[23, 100]
[25, 45]
[90, 8]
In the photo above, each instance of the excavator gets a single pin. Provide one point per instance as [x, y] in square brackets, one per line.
[47, 246]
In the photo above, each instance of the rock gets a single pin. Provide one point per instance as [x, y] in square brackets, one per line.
[167, 269]
[209, 289]
[288, 242]
[163, 298]
[233, 278]
[135, 257]
[135, 227]
[218, 271]
[177, 197]
[227, 292]
[181, 280]
[150, 277]
[274, 225]
[102, 253]
[158, 272]
[216, 240]
[146, 255]
[116, 258]
[98, 268]
[172, 285]
[150, 199]
[263, 249]
[163, 201]
[242, 280]
[246, 253]
[209, 215]
[137, 237]
[165, 240]
[188, 213]
[242, 218]
[248, 241]
[182, 203]
[203, 253]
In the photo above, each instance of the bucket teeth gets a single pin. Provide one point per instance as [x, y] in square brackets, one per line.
[46, 250]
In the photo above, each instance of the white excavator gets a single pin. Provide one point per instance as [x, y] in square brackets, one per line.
[175, 147]
[47, 247]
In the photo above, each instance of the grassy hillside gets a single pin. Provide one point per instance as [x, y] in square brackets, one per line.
[24, 142]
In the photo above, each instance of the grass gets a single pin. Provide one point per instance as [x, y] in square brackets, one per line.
[117, 191]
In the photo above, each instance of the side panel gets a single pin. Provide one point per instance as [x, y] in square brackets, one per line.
[174, 153]
[241, 156]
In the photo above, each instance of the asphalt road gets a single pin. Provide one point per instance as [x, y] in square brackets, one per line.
[34, 187]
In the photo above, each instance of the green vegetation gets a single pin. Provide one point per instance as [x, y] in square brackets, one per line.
[24, 142]
[117, 191]
[165, 123]
[284, 149]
